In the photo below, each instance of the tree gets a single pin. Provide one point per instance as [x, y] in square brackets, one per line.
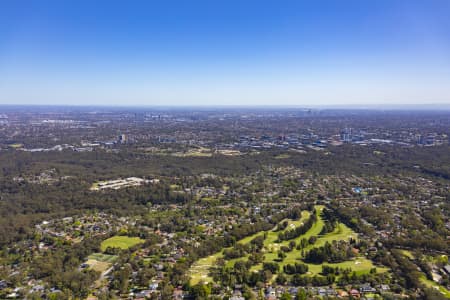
[432, 294]
[167, 291]
[248, 294]
[301, 294]
[281, 279]
[271, 266]
[286, 296]
[267, 275]
[201, 291]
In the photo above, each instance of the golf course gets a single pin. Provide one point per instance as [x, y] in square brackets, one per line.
[200, 269]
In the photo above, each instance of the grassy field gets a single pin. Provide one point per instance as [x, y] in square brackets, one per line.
[175, 187]
[103, 257]
[229, 152]
[94, 186]
[407, 253]
[282, 156]
[432, 284]
[192, 154]
[199, 270]
[271, 247]
[99, 266]
[15, 146]
[342, 232]
[425, 280]
[122, 242]
[360, 265]
[198, 152]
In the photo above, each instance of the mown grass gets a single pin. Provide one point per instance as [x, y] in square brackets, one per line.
[432, 284]
[282, 156]
[199, 270]
[15, 146]
[103, 257]
[407, 253]
[99, 266]
[122, 242]
[342, 232]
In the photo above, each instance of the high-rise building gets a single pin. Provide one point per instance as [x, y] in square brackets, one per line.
[123, 138]
[346, 135]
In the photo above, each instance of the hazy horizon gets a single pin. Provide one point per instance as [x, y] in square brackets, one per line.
[375, 107]
[233, 53]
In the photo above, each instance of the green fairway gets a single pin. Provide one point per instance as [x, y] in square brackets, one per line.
[432, 284]
[407, 253]
[360, 265]
[272, 235]
[199, 270]
[16, 146]
[342, 232]
[122, 242]
[424, 280]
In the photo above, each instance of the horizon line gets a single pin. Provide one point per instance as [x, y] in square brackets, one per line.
[411, 106]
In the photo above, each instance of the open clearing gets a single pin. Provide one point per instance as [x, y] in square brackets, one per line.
[432, 284]
[119, 183]
[407, 253]
[103, 257]
[122, 242]
[200, 269]
[99, 266]
[282, 156]
[196, 152]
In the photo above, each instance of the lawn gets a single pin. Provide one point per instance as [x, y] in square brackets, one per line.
[15, 146]
[174, 187]
[103, 257]
[424, 280]
[432, 284]
[342, 232]
[122, 242]
[200, 269]
[95, 186]
[360, 265]
[407, 253]
[192, 154]
[272, 235]
[99, 266]
[282, 156]
[200, 152]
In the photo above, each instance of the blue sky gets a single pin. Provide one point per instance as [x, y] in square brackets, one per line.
[229, 52]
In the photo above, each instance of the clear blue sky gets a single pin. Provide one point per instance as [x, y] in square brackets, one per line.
[224, 52]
